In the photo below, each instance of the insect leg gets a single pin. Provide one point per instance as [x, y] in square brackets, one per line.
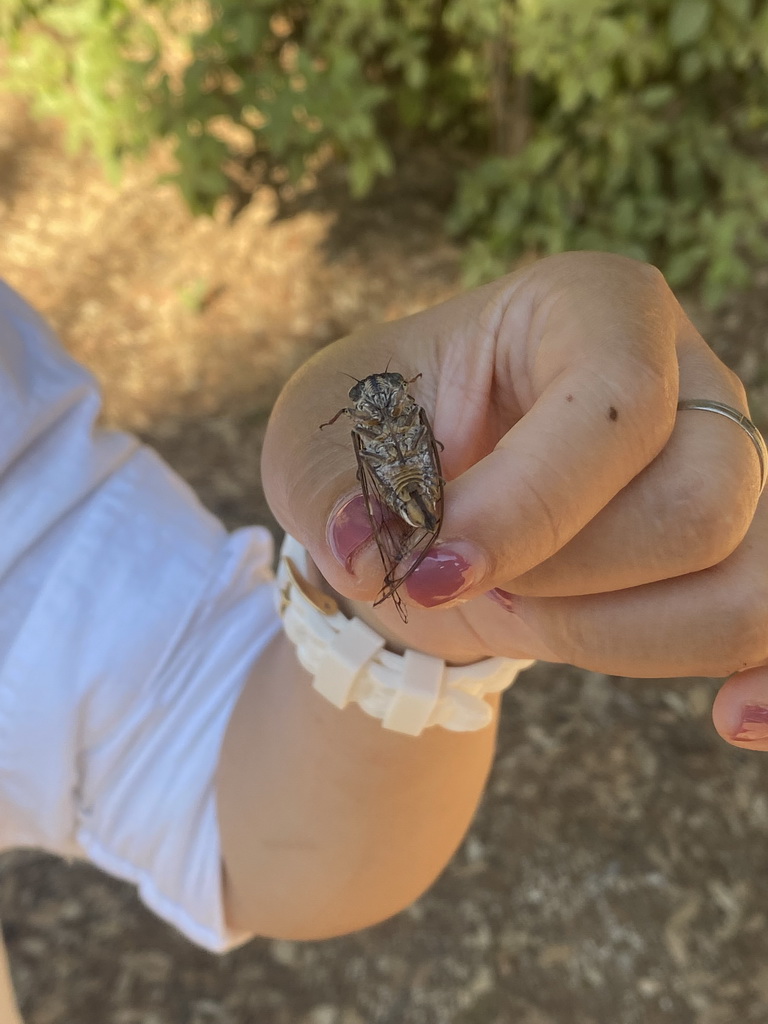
[333, 420]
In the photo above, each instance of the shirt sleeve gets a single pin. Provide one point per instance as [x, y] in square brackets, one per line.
[130, 620]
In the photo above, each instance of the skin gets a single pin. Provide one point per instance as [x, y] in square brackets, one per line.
[9, 1012]
[632, 540]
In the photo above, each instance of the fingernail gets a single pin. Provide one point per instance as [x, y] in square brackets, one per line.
[443, 575]
[349, 529]
[754, 723]
[509, 602]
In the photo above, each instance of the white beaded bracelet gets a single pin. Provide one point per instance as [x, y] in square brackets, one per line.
[348, 660]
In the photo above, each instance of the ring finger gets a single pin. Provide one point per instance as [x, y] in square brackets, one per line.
[688, 510]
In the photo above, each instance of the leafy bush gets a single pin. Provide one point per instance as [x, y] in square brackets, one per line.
[637, 128]
[646, 136]
[80, 60]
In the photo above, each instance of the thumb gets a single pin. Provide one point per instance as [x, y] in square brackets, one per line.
[740, 710]
[310, 474]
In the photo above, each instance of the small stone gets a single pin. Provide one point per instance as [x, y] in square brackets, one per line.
[323, 1014]
[284, 952]
[648, 987]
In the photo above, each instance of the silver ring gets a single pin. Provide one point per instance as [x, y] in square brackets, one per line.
[746, 424]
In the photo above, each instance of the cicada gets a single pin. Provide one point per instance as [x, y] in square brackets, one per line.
[398, 467]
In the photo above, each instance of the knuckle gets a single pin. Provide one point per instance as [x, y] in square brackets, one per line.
[708, 517]
[653, 276]
[640, 273]
[734, 385]
[746, 633]
[550, 523]
[574, 641]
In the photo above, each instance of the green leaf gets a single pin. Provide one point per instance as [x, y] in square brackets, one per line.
[691, 65]
[684, 265]
[688, 19]
[740, 9]
[658, 95]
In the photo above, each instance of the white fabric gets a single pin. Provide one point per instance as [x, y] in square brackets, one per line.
[129, 622]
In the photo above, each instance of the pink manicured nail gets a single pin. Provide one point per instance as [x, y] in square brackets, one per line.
[349, 528]
[509, 602]
[754, 723]
[441, 577]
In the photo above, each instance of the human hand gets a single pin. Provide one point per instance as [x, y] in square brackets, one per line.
[624, 536]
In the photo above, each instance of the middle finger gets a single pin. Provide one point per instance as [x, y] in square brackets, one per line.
[709, 623]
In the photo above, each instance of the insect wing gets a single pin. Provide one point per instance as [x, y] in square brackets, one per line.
[386, 530]
[395, 539]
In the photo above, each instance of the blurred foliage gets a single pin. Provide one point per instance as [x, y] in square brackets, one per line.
[599, 124]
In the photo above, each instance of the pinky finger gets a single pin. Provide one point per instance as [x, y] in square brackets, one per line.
[740, 711]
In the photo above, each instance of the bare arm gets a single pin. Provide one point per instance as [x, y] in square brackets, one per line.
[9, 1012]
[330, 823]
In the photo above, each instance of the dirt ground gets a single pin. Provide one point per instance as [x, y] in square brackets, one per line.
[617, 871]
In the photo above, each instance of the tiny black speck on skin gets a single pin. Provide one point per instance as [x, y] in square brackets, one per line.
[612, 413]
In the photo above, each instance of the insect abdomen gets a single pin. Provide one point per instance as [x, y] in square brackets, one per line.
[412, 490]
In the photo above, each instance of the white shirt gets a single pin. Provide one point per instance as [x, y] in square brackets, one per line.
[129, 622]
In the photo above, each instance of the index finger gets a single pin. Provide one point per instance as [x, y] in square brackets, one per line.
[597, 379]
